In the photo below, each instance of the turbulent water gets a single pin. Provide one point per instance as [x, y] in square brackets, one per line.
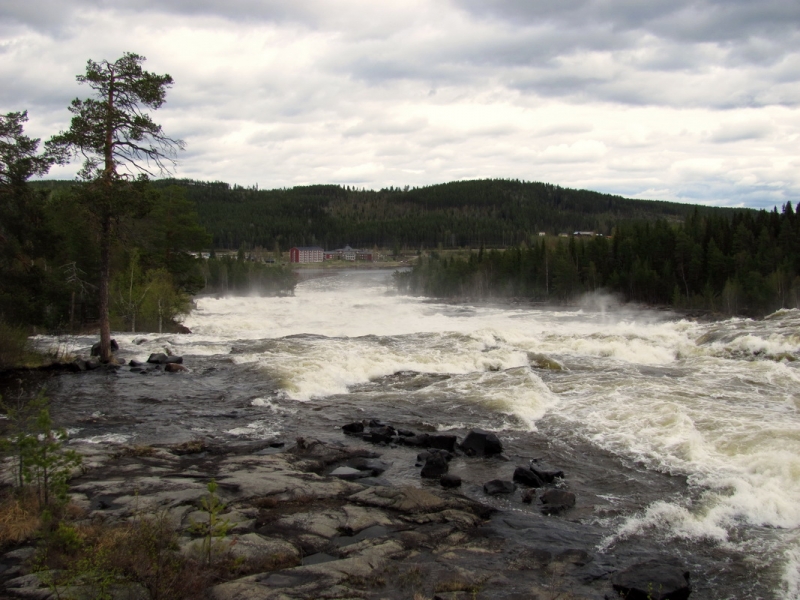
[713, 404]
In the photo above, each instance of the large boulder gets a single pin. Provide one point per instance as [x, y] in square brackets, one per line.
[435, 466]
[544, 473]
[556, 501]
[527, 477]
[653, 580]
[355, 427]
[448, 480]
[443, 441]
[481, 443]
[96, 347]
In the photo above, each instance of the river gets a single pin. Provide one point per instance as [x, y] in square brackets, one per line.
[702, 417]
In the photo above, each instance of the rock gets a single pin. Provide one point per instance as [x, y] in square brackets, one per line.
[405, 433]
[174, 360]
[448, 480]
[419, 440]
[499, 486]
[182, 329]
[527, 477]
[382, 433]
[653, 580]
[139, 340]
[135, 363]
[528, 496]
[545, 474]
[348, 473]
[481, 443]
[356, 427]
[405, 500]
[174, 368]
[443, 442]
[158, 359]
[556, 501]
[96, 347]
[78, 365]
[370, 467]
[435, 466]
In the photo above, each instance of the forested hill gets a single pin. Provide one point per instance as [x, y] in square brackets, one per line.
[491, 212]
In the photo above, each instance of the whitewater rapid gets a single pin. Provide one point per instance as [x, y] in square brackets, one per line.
[714, 402]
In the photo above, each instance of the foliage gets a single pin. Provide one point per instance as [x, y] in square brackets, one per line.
[216, 527]
[498, 213]
[121, 145]
[747, 264]
[236, 275]
[13, 346]
[39, 457]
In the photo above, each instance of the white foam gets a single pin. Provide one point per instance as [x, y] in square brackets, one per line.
[260, 429]
[108, 438]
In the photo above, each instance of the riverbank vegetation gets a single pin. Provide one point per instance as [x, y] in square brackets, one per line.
[746, 264]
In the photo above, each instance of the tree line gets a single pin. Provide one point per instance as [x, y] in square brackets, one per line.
[748, 263]
[494, 213]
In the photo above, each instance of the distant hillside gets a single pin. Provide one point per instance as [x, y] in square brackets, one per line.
[492, 212]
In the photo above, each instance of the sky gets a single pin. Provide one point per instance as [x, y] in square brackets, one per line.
[694, 101]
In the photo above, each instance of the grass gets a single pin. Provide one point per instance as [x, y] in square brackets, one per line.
[19, 518]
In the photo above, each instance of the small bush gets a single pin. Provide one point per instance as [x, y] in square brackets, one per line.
[13, 346]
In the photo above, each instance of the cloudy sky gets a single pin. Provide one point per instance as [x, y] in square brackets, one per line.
[697, 101]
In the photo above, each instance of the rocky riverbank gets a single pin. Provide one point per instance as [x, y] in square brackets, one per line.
[324, 520]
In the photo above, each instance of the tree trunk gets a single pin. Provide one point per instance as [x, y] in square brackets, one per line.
[105, 275]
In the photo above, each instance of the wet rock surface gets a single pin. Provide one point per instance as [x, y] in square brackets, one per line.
[481, 546]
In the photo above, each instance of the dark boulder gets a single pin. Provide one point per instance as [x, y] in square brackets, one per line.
[556, 501]
[182, 329]
[443, 442]
[481, 443]
[174, 368]
[435, 466]
[135, 363]
[405, 433]
[355, 427]
[653, 580]
[448, 480]
[96, 347]
[499, 486]
[158, 359]
[177, 360]
[382, 433]
[545, 474]
[528, 496]
[527, 477]
[419, 440]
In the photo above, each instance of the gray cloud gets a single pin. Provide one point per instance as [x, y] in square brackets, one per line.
[639, 98]
[736, 132]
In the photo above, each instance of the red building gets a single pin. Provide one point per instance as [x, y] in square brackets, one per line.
[306, 254]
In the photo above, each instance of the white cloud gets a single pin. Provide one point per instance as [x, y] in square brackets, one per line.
[698, 101]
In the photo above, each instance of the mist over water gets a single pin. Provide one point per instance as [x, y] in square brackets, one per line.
[714, 402]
